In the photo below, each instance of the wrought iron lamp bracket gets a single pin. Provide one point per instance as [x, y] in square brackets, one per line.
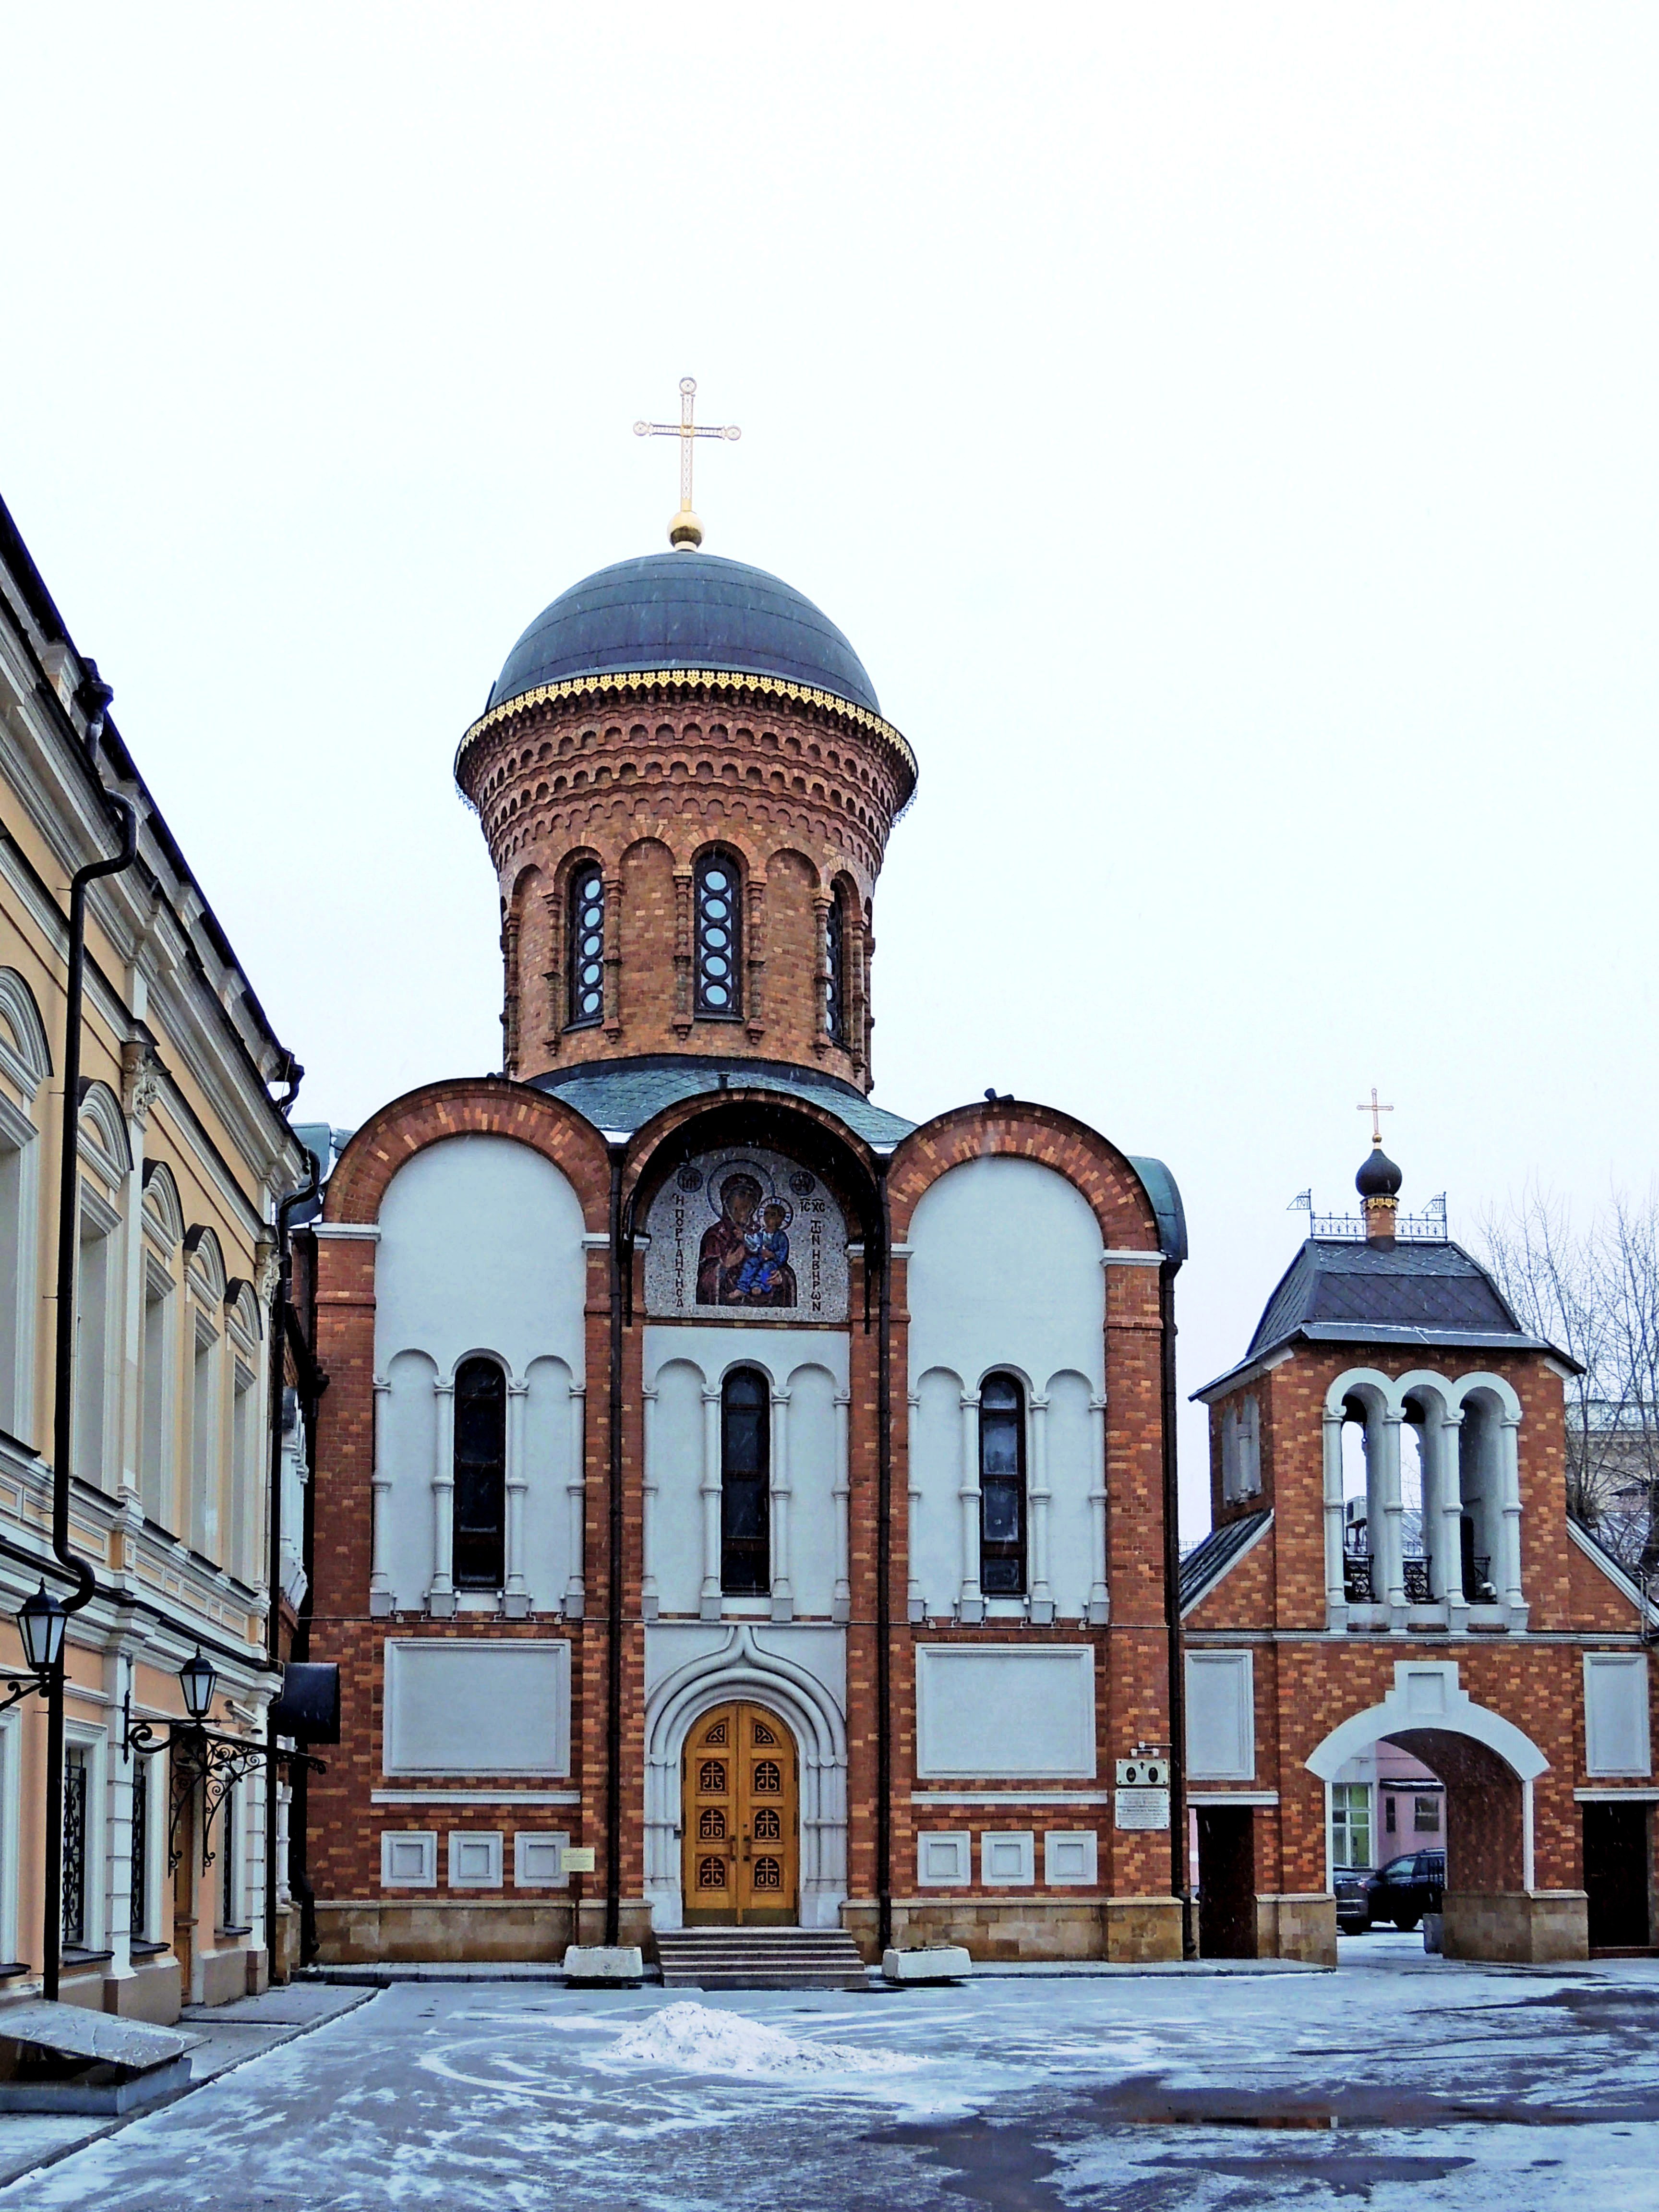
[201, 1754]
[34, 1686]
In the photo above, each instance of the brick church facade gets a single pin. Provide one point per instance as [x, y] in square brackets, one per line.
[718, 1475]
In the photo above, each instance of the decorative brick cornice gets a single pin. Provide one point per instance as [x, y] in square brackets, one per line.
[1013, 1129]
[468, 1106]
[707, 682]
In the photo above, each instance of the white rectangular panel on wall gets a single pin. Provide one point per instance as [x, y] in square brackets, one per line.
[1616, 1732]
[539, 1858]
[464, 1706]
[1071, 1857]
[944, 1858]
[1220, 1716]
[1007, 1858]
[475, 1858]
[408, 1858]
[997, 1709]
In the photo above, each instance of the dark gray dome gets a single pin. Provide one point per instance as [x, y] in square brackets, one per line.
[1378, 1176]
[685, 611]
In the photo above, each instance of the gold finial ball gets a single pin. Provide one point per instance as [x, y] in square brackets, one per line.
[685, 531]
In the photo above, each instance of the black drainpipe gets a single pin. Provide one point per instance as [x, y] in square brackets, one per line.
[883, 1576]
[62, 1429]
[277, 1337]
[1180, 1873]
[614, 1583]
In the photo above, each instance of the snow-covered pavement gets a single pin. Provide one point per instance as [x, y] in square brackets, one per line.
[1397, 2082]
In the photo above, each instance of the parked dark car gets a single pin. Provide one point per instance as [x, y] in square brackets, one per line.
[1406, 1888]
[1353, 1903]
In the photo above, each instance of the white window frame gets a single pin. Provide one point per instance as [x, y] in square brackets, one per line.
[158, 1487]
[80, 1735]
[19, 1135]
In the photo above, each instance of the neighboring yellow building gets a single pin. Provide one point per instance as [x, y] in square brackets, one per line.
[183, 1152]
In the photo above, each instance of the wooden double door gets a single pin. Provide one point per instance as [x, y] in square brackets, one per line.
[740, 1797]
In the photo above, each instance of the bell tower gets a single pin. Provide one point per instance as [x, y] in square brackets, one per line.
[686, 785]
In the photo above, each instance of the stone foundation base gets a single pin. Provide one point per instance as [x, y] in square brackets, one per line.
[1301, 1927]
[467, 1931]
[227, 1975]
[152, 1991]
[1516, 1928]
[1132, 1930]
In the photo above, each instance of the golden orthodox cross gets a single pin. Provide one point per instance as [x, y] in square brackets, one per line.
[1377, 1113]
[685, 531]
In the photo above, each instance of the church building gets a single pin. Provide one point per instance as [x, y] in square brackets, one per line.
[735, 1505]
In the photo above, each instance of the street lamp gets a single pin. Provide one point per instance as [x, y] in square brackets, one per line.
[198, 1680]
[40, 1623]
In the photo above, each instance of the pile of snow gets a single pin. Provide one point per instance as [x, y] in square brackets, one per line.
[700, 2040]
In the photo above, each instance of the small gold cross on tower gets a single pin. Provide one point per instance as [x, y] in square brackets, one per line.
[685, 531]
[1377, 1113]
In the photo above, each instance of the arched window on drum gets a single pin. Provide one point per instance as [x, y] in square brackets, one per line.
[1001, 1487]
[480, 1502]
[718, 889]
[587, 978]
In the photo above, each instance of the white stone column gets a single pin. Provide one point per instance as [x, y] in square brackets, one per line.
[575, 1489]
[1509, 1477]
[515, 1595]
[1042, 1599]
[650, 1601]
[1389, 1553]
[970, 1604]
[841, 1605]
[1100, 1608]
[709, 1602]
[783, 1590]
[440, 1591]
[1336, 1584]
[129, 1448]
[381, 1596]
[1449, 1540]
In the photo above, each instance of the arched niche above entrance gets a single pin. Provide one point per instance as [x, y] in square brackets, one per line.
[1427, 1696]
[745, 1231]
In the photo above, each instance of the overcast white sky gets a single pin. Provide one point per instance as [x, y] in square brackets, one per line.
[1226, 433]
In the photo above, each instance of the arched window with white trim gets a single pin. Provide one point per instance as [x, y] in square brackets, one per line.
[1002, 1499]
[480, 1505]
[717, 977]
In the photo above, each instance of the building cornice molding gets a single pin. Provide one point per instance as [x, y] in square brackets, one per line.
[646, 682]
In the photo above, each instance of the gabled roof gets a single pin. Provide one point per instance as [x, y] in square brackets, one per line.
[621, 1095]
[1221, 1550]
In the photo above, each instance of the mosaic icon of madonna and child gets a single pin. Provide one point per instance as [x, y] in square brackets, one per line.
[744, 1259]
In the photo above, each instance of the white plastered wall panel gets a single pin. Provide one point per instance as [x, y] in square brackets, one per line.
[1005, 1272]
[1617, 1736]
[935, 1480]
[812, 1455]
[463, 1706]
[1000, 1710]
[480, 1250]
[549, 1451]
[1220, 1716]
[1072, 1472]
[677, 1447]
[405, 1444]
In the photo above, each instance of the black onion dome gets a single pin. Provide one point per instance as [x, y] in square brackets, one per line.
[685, 611]
[1378, 1178]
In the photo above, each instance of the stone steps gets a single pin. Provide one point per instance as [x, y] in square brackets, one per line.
[760, 1959]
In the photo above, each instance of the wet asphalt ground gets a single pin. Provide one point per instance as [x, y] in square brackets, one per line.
[1399, 2080]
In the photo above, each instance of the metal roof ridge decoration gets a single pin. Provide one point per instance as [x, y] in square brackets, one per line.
[727, 679]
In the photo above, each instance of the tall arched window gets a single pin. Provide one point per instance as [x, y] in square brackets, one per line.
[834, 963]
[746, 1480]
[1001, 1487]
[480, 1551]
[586, 946]
[719, 935]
